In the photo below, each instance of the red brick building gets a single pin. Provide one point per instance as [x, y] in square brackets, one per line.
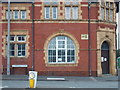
[60, 38]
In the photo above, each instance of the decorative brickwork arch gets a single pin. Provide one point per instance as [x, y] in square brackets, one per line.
[61, 33]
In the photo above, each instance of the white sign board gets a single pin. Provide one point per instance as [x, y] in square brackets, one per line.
[19, 65]
[84, 36]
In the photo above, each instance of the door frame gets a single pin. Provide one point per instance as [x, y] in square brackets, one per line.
[105, 55]
[112, 57]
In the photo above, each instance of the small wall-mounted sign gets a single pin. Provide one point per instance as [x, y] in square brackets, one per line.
[19, 65]
[84, 36]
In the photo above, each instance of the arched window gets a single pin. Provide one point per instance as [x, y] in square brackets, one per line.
[61, 49]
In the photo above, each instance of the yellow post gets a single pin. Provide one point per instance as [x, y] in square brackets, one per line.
[32, 79]
[31, 82]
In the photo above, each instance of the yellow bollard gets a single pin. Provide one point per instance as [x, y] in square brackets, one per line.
[31, 82]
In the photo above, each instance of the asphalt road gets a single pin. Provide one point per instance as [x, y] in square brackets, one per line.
[61, 84]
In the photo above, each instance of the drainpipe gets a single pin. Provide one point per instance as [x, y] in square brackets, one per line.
[119, 27]
[89, 40]
[33, 56]
[116, 47]
[8, 41]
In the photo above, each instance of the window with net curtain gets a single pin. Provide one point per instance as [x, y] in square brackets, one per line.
[61, 49]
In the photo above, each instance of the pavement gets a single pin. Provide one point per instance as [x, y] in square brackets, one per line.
[61, 78]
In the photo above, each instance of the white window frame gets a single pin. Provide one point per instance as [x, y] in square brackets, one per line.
[68, 13]
[12, 50]
[75, 2]
[21, 50]
[14, 38]
[107, 15]
[65, 49]
[10, 37]
[54, 13]
[47, 2]
[7, 14]
[57, 48]
[23, 11]
[47, 12]
[14, 14]
[111, 15]
[102, 16]
[16, 42]
[75, 12]
[21, 37]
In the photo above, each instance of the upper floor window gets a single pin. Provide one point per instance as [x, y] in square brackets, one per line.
[111, 15]
[47, 12]
[107, 11]
[54, 12]
[107, 14]
[75, 12]
[51, 10]
[16, 14]
[102, 14]
[69, 15]
[47, 3]
[23, 14]
[7, 14]
[67, 12]
[71, 2]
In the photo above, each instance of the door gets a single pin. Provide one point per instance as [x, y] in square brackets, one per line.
[105, 58]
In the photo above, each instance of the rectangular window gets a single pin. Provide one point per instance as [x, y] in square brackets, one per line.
[54, 12]
[107, 4]
[102, 13]
[47, 12]
[75, 12]
[17, 49]
[54, 2]
[67, 12]
[75, 2]
[67, 2]
[12, 38]
[47, 2]
[7, 14]
[21, 50]
[111, 5]
[111, 15]
[102, 4]
[21, 38]
[23, 14]
[12, 49]
[107, 16]
[16, 14]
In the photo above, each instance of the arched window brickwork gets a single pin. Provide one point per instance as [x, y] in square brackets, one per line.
[62, 54]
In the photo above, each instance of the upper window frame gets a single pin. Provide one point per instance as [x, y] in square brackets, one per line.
[14, 14]
[45, 9]
[21, 13]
